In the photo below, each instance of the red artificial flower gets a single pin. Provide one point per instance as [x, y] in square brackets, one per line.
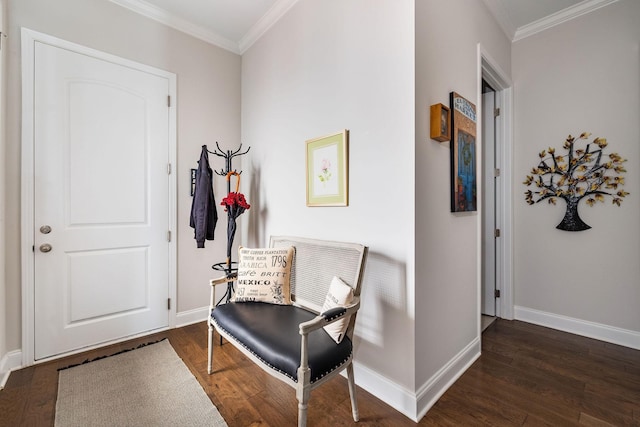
[235, 199]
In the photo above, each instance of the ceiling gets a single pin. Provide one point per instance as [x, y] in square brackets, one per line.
[237, 24]
[231, 24]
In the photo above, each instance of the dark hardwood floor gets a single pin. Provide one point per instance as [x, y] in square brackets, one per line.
[527, 375]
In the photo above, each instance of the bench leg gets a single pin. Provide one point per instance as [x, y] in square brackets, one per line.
[303, 393]
[302, 414]
[210, 348]
[352, 392]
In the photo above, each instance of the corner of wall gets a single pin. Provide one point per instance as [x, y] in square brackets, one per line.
[396, 396]
[415, 405]
[429, 393]
[9, 362]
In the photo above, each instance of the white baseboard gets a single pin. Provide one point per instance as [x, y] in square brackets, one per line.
[9, 362]
[189, 317]
[429, 393]
[415, 405]
[13, 360]
[585, 328]
[394, 395]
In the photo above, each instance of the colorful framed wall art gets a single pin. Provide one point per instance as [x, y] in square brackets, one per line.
[463, 154]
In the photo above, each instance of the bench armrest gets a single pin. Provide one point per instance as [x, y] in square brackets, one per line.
[213, 282]
[318, 322]
[329, 316]
[223, 279]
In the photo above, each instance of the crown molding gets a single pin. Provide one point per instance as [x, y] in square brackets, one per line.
[500, 14]
[272, 16]
[141, 7]
[560, 17]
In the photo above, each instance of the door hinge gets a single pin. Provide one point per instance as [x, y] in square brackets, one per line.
[496, 112]
[168, 100]
[168, 168]
[496, 233]
[496, 173]
[168, 303]
[169, 236]
[496, 293]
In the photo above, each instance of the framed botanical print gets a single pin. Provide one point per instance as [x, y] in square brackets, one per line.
[327, 170]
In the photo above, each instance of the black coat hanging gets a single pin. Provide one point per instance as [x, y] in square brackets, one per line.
[204, 214]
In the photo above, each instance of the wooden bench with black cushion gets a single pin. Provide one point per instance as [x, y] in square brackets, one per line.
[290, 341]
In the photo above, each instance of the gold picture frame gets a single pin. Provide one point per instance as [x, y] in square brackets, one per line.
[328, 170]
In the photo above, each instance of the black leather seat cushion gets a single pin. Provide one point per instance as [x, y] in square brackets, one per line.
[271, 333]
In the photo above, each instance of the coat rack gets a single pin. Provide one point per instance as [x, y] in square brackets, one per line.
[228, 157]
[229, 267]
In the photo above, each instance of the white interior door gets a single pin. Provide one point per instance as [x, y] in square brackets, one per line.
[101, 200]
[488, 301]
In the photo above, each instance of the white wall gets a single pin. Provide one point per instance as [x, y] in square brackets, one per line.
[3, 300]
[208, 111]
[325, 66]
[580, 76]
[447, 306]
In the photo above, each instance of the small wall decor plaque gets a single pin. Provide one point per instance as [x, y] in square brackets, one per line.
[193, 181]
[440, 127]
[580, 173]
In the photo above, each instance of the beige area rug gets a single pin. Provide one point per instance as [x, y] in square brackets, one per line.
[148, 386]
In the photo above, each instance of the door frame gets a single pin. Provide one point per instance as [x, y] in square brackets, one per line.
[489, 69]
[29, 38]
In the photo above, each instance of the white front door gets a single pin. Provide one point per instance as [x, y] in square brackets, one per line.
[101, 200]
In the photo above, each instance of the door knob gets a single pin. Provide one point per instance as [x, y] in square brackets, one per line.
[45, 229]
[45, 247]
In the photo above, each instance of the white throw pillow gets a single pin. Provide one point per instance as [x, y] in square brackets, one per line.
[264, 275]
[339, 295]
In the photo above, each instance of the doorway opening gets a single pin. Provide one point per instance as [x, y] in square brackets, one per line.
[495, 288]
[490, 173]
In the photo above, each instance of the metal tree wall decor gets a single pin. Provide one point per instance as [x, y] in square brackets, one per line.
[580, 173]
